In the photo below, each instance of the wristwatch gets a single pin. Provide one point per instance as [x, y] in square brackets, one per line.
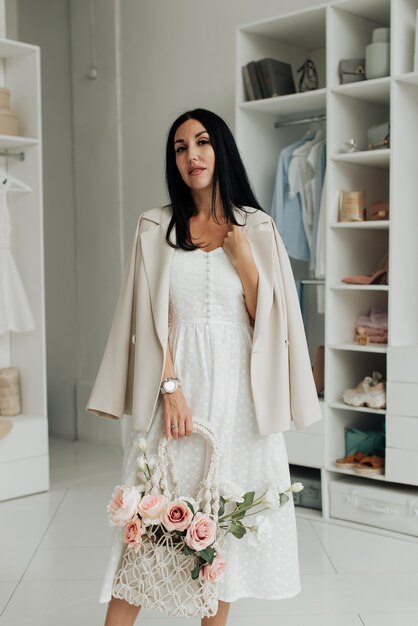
[169, 385]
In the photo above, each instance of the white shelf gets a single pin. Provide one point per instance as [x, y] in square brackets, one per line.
[292, 106]
[350, 287]
[10, 48]
[386, 175]
[410, 78]
[355, 347]
[11, 142]
[376, 91]
[360, 409]
[372, 158]
[366, 225]
[337, 470]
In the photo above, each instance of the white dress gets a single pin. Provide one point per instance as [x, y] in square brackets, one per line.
[210, 339]
[15, 312]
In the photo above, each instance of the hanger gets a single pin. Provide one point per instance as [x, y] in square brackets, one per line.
[10, 183]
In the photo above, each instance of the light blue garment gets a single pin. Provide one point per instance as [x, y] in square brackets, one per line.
[287, 212]
[319, 180]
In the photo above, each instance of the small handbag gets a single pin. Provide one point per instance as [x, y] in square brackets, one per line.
[309, 77]
[158, 575]
[352, 70]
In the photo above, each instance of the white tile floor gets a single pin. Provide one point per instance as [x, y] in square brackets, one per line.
[54, 547]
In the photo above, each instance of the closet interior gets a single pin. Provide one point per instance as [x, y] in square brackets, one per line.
[24, 460]
[365, 306]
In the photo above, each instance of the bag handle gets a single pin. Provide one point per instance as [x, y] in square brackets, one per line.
[208, 492]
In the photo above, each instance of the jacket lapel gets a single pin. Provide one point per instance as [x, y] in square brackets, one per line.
[157, 256]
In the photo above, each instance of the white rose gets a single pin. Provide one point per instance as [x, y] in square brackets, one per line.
[142, 444]
[231, 491]
[263, 533]
[295, 487]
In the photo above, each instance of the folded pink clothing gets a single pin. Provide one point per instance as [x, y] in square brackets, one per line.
[377, 319]
[367, 332]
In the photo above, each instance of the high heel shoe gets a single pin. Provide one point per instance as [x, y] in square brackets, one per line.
[379, 277]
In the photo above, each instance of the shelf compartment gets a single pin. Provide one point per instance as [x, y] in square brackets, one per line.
[367, 225]
[376, 91]
[360, 409]
[372, 158]
[371, 347]
[345, 369]
[293, 106]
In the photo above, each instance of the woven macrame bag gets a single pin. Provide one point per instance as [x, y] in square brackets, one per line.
[158, 575]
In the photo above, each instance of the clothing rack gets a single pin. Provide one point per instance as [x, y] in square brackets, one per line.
[14, 155]
[305, 120]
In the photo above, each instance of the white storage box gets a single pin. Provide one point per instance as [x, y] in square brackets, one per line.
[378, 505]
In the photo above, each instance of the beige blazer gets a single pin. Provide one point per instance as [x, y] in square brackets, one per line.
[132, 366]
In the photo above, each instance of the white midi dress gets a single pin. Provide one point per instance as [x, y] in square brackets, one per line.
[15, 312]
[210, 339]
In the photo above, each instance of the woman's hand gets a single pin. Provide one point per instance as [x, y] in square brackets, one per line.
[237, 246]
[176, 411]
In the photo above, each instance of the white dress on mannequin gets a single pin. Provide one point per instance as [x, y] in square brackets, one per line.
[15, 311]
[210, 340]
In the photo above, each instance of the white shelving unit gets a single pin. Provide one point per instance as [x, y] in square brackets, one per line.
[327, 34]
[24, 460]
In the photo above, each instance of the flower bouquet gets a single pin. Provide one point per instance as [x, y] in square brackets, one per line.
[173, 554]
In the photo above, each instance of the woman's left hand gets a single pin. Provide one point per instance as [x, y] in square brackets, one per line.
[237, 245]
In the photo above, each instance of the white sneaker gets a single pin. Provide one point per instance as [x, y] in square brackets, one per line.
[369, 392]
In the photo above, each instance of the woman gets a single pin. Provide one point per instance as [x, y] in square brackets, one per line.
[216, 297]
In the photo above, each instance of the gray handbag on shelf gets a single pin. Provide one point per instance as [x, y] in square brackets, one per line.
[352, 70]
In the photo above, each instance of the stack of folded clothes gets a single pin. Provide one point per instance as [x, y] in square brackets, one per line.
[372, 328]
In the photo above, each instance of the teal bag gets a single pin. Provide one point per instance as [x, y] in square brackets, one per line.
[367, 441]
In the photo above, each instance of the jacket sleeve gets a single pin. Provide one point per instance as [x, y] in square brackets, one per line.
[304, 404]
[108, 395]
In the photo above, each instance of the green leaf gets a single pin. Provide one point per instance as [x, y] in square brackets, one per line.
[248, 498]
[188, 550]
[238, 529]
[195, 571]
[283, 498]
[190, 505]
[207, 554]
[239, 515]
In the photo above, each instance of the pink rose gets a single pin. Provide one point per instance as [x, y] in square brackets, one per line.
[150, 508]
[201, 532]
[177, 515]
[134, 530]
[212, 571]
[123, 504]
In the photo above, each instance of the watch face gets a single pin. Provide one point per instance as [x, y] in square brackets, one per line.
[170, 386]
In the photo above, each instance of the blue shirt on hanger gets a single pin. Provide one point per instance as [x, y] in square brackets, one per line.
[286, 211]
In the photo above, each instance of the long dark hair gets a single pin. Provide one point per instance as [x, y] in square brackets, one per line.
[234, 186]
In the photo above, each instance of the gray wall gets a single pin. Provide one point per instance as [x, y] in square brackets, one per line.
[155, 60]
[46, 23]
